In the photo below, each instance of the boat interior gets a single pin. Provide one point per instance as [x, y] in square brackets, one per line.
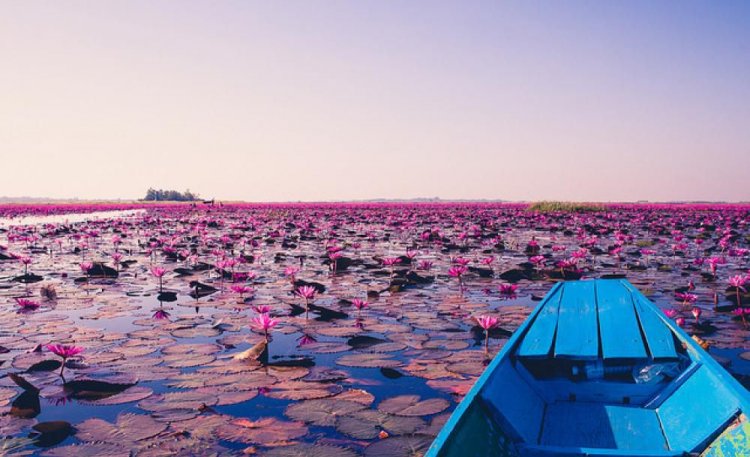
[599, 372]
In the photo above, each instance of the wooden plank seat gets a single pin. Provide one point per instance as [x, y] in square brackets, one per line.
[605, 319]
[596, 425]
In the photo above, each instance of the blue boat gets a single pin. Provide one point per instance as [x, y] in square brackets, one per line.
[599, 370]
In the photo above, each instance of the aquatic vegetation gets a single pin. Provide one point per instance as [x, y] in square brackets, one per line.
[308, 294]
[65, 352]
[159, 273]
[487, 323]
[26, 305]
[565, 207]
[360, 305]
[265, 323]
[220, 352]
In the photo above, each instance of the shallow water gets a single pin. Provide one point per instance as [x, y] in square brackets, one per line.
[67, 218]
[420, 341]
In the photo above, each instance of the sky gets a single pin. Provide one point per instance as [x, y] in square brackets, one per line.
[348, 100]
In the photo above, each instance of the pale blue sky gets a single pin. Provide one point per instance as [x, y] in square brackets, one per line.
[324, 100]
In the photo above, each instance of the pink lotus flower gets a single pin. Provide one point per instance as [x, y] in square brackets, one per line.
[262, 309]
[696, 314]
[487, 323]
[241, 289]
[308, 293]
[26, 305]
[537, 260]
[305, 339]
[25, 261]
[457, 271]
[508, 289]
[686, 297]
[86, 267]
[738, 281]
[461, 261]
[424, 265]
[742, 312]
[360, 305]
[117, 258]
[265, 323]
[161, 315]
[713, 262]
[391, 262]
[65, 352]
[159, 272]
[671, 313]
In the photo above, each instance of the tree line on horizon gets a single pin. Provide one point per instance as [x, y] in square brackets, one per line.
[160, 195]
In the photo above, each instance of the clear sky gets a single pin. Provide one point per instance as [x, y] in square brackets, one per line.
[336, 100]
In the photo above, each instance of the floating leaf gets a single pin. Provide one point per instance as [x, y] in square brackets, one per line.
[129, 428]
[368, 361]
[367, 424]
[131, 394]
[88, 450]
[301, 390]
[51, 433]
[267, 431]
[400, 446]
[322, 412]
[310, 450]
[410, 405]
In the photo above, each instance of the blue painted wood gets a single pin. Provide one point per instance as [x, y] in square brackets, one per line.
[635, 428]
[596, 425]
[480, 436]
[568, 424]
[697, 411]
[557, 451]
[659, 338]
[577, 324]
[538, 340]
[681, 414]
[454, 424]
[517, 406]
[672, 387]
[619, 329]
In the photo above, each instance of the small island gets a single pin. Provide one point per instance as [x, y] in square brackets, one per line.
[161, 195]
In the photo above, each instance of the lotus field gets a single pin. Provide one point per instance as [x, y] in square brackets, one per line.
[314, 330]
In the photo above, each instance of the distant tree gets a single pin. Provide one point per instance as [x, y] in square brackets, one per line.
[161, 195]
